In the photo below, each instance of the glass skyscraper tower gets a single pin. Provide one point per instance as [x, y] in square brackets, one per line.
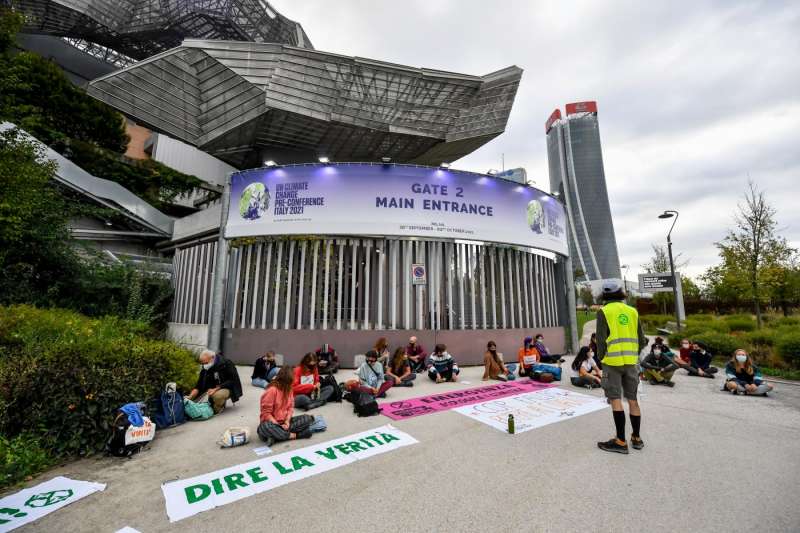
[575, 162]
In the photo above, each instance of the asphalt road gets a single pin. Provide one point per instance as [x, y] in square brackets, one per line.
[712, 462]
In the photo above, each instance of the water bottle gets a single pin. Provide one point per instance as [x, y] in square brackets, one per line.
[511, 424]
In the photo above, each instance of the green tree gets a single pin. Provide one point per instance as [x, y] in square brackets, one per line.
[690, 289]
[34, 238]
[752, 246]
[782, 281]
[586, 295]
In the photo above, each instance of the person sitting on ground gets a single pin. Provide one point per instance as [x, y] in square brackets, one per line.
[493, 366]
[264, 370]
[276, 423]
[544, 353]
[742, 376]
[585, 369]
[308, 393]
[659, 344]
[657, 366]
[684, 357]
[327, 360]
[417, 356]
[218, 381]
[593, 349]
[442, 365]
[382, 347]
[399, 370]
[701, 361]
[371, 379]
[527, 357]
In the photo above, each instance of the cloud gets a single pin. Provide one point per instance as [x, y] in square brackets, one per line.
[692, 98]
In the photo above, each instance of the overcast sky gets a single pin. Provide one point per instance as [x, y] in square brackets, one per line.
[692, 96]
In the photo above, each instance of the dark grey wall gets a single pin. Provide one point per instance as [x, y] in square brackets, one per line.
[243, 346]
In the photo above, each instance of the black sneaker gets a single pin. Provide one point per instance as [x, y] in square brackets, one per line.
[669, 383]
[652, 381]
[613, 446]
[637, 443]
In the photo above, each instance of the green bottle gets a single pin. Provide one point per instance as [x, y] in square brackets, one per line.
[511, 424]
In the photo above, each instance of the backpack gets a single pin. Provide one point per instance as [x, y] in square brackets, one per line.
[330, 381]
[197, 410]
[168, 409]
[365, 405]
[127, 439]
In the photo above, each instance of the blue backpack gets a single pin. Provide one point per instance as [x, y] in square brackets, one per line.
[168, 409]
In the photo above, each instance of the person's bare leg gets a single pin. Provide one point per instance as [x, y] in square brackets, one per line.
[633, 406]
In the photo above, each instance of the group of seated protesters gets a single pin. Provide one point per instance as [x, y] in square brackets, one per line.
[658, 367]
[288, 388]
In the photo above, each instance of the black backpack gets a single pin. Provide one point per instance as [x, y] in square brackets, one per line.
[115, 445]
[330, 381]
[365, 405]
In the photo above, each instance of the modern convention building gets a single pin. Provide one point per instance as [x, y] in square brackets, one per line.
[350, 225]
[575, 161]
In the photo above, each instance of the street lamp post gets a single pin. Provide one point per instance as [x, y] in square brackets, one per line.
[625, 277]
[670, 214]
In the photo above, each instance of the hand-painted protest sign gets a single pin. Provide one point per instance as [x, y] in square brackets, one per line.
[33, 503]
[187, 497]
[533, 409]
[400, 410]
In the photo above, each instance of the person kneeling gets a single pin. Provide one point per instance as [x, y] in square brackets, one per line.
[399, 369]
[742, 376]
[658, 367]
[276, 423]
[587, 373]
[218, 381]
[493, 366]
[442, 365]
[371, 379]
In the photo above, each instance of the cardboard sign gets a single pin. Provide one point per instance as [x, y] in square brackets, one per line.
[31, 504]
[188, 497]
[143, 433]
[533, 409]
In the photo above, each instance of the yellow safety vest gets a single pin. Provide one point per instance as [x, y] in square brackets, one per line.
[623, 337]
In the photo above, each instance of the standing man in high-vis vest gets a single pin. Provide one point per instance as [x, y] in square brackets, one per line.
[620, 339]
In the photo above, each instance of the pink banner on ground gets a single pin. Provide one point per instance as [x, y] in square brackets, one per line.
[402, 409]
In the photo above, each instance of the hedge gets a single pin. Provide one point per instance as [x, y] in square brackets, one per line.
[788, 347]
[720, 344]
[62, 375]
[761, 337]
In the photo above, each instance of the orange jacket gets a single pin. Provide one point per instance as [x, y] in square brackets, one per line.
[530, 352]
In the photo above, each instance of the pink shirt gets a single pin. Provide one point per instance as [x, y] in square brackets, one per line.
[277, 404]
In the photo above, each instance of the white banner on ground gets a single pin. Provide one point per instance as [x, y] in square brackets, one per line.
[532, 410]
[187, 497]
[31, 504]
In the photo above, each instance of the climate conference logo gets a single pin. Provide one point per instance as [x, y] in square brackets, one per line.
[544, 217]
[254, 202]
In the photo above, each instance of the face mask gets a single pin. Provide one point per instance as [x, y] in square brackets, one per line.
[741, 358]
[208, 365]
[684, 345]
[590, 354]
[657, 352]
[540, 339]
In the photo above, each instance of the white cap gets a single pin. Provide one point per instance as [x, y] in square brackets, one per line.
[611, 286]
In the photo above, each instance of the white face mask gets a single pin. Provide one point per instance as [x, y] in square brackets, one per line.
[657, 352]
[741, 358]
[208, 365]
[684, 345]
[590, 354]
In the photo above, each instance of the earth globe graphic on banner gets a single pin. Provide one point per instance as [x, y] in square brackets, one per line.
[254, 202]
[536, 219]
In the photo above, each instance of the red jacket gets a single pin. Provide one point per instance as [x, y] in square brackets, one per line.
[301, 373]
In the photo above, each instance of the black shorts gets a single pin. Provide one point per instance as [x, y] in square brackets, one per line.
[619, 381]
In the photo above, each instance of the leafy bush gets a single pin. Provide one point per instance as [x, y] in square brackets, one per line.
[700, 317]
[652, 322]
[63, 374]
[20, 457]
[740, 323]
[788, 321]
[719, 326]
[788, 347]
[762, 337]
[720, 344]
